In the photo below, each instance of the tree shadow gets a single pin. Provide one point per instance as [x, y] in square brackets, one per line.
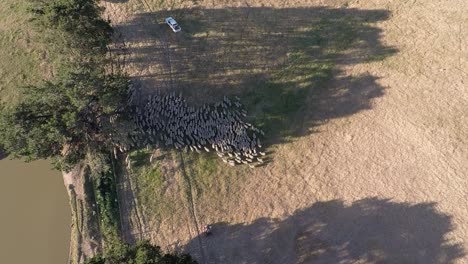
[2, 154]
[371, 230]
[287, 64]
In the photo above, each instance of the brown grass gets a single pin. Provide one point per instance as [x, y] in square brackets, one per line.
[363, 102]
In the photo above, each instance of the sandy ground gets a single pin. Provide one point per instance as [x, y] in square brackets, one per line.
[383, 184]
[86, 238]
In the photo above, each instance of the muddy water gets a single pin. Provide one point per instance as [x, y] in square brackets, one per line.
[34, 214]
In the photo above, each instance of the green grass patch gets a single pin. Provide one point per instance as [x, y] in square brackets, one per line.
[27, 54]
[153, 178]
[201, 170]
[19, 53]
[140, 158]
[275, 102]
[152, 186]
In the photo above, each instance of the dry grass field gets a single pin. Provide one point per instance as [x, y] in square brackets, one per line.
[365, 107]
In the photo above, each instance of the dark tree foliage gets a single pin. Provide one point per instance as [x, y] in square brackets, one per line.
[79, 20]
[142, 253]
[105, 190]
[67, 117]
[80, 112]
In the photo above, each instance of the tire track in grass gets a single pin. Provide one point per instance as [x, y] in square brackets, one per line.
[166, 60]
[190, 200]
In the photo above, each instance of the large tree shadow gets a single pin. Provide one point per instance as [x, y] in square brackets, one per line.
[286, 64]
[368, 231]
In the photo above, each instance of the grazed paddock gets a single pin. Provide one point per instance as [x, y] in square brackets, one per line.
[24, 56]
[364, 105]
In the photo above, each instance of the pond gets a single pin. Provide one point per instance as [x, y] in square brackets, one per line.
[35, 214]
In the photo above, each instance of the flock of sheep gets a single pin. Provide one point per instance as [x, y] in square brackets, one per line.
[168, 121]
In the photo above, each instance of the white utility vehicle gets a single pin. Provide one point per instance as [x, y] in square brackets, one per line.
[173, 24]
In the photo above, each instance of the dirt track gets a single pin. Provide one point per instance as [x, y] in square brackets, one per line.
[385, 184]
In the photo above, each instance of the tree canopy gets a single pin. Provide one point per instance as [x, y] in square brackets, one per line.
[82, 109]
[66, 117]
[142, 253]
[79, 21]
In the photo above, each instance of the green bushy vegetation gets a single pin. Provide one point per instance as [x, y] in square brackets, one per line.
[64, 118]
[104, 183]
[77, 24]
[142, 253]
